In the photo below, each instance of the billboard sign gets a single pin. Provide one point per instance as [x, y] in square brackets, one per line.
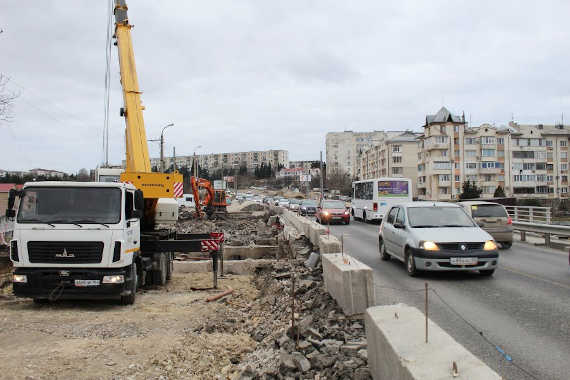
[393, 189]
[305, 178]
[229, 178]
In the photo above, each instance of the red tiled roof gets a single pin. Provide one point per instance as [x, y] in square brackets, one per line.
[5, 187]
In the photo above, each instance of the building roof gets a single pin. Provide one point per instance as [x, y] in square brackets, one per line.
[405, 137]
[443, 116]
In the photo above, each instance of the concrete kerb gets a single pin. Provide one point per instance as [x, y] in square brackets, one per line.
[349, 282]
[239, 267]
[397, 349]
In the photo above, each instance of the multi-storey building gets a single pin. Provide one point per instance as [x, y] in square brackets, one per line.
[235, 160]
[525, 160]
[392, 157]
[343, 149]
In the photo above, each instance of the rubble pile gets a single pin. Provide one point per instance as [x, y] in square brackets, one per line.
[239, 229]
[323, 343]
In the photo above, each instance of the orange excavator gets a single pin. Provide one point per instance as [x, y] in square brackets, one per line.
[213, 202]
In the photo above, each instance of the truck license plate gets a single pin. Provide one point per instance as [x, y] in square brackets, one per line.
[84, 283]
[463, 261]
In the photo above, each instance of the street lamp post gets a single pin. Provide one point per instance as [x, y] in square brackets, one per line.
[162, 146]
[196, 174]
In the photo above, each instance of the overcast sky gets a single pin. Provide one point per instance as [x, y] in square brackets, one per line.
[256, 75]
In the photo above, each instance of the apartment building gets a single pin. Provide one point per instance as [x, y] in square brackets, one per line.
[344, 149]
[392, 157]
[525, 160]
[235, 160]
[304, 164]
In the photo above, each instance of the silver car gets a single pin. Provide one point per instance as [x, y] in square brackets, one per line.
[436, 236]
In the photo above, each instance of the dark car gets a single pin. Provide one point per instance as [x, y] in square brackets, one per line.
[330, 211]
[308, 207]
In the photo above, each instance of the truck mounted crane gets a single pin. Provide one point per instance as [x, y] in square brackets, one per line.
[103, 239]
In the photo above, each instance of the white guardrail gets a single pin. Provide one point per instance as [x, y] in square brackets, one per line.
[547, 230]
[530, 214]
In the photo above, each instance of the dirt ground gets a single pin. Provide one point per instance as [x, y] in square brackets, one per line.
[171, 332]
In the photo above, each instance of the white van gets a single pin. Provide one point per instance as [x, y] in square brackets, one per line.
[187, 200]
[372, 198]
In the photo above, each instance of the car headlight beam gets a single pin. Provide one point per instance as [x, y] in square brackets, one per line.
[490, 245]
[20, 279]
[429, 246]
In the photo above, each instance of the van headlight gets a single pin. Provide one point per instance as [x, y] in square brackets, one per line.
[490, 245]
[429, 246]
[20, 279]
[115, 279]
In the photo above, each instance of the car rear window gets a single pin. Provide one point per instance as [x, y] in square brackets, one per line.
[488, 211]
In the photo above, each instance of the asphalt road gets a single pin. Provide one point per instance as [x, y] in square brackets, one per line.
[524, 308]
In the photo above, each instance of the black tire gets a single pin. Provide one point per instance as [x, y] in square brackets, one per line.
[170, 266]
[382, 250]
[159, 275]
[41, 301]
[133, 282]
[487, 272]
[506, 244]
[411, 264]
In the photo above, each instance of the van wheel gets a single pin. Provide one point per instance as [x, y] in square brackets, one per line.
[382, 249]
[130, 299]
[410, 264]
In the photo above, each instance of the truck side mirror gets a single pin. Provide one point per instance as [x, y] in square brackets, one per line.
[137, 214]
[139, 201]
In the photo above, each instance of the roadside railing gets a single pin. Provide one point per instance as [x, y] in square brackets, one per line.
[530, 214]
[547, 230]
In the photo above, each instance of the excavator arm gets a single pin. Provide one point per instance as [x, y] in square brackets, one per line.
[214, 199]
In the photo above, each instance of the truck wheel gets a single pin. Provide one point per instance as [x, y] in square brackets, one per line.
[130, 299]
[170, 266]
[159, 275]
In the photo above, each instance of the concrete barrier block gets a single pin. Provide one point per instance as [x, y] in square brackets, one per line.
[315, 231]
[239, 267]
[349, 282]
[250, 252]
[329, 244]
[397, 348]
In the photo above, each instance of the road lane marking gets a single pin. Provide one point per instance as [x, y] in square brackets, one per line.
[534, 277]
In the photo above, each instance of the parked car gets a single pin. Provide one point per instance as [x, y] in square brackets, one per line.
[330, 211]
[294, 204]
[308, 207]
[436, 236]
[283, 202]
[257, 199]
[268, 200]
[493, 218]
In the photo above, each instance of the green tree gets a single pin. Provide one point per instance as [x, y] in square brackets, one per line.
[470, 191]
[499, 192]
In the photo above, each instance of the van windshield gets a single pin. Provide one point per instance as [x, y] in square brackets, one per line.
[488, 211]
[82, 205]
[431, 217]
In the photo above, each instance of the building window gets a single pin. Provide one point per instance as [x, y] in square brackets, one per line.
[563, 143]
[444, 190]
[397, 170]
[500, 141]
[523, 154]
[540, 166]
[457, 178]
[563, 167]
[444, 153]
[396, 148]
[470, 165]
[397, 159]
[564, 178]
[488, 152]
[471, 141]
[563, 190]
[540, 155]
[442, 128]
[442, 165]
[456, 141]
[471, 178]
[529, 166]
[563, 154]
[487, 140]
[488, 177]
[456, 128]
[470, 153]
[440, 139]
[548, 142]
[444, 178]
[500, 153]
[456, 153]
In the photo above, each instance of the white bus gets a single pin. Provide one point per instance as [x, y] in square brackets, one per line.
[372, 198]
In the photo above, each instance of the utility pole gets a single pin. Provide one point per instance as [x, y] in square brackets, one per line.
[174, 157]
[162, 146]
[322, 181]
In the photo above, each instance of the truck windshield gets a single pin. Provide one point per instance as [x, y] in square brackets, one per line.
[83, 205]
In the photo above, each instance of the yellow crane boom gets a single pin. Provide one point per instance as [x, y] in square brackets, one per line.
[138, 169]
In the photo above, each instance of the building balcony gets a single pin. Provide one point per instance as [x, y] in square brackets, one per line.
[444, 183]
[421, 185]
[490, 171]
[437, 146]
[444, 197]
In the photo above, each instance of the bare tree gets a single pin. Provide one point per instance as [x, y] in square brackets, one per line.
[7, 98]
